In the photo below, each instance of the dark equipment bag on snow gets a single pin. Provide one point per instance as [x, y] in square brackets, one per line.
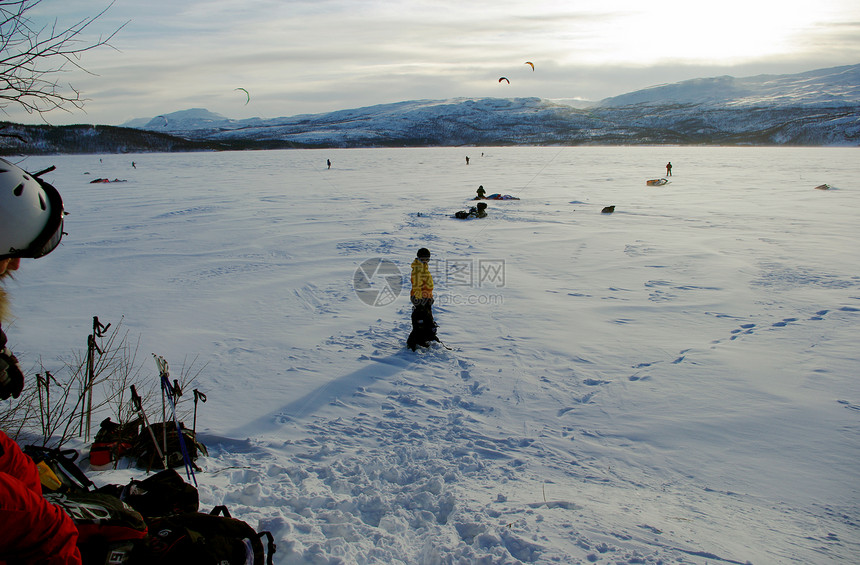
[163, 494]
[109, 531]
[147, 455]
[423, 327]
[207, 539]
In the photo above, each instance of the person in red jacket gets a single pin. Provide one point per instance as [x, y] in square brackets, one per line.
[32, 530]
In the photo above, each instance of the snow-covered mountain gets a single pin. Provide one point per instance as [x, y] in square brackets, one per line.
[834, 87]
[419, 122]
[195, 118]
[819, 107]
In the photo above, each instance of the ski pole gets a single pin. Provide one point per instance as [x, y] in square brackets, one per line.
[197, 396]
[138, 407]
[177, 392]
[162, 370]
[99, 330]
[189, 468]
[39, 384]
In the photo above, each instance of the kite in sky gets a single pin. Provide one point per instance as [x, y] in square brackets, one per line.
[504, 79]
[247, 94]
[532, 65]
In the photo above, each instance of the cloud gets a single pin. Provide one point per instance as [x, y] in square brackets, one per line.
[315, 56]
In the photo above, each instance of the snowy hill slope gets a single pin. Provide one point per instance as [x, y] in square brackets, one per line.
[419, 122]
[838, 86]
[819, 107]
[816, 108]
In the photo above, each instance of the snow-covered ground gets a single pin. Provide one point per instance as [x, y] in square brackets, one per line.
[675, 382]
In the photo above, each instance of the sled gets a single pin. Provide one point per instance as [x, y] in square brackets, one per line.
[656, 182]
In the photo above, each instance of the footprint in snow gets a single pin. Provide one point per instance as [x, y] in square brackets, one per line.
[784, 322]
[848, 405]
[681, 356]
[594, 382]
[744, 329]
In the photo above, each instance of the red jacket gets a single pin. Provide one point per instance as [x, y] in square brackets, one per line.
[32, 530]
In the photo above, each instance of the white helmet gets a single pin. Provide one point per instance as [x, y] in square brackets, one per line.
[31, 214]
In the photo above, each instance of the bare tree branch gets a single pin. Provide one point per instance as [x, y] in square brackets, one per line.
[33, 57]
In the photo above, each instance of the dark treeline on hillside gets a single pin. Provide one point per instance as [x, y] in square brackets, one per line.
[467, 126]
[17, 139]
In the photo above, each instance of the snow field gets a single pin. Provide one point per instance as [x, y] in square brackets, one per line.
[671, 383]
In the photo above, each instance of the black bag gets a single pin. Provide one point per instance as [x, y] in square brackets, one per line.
[62, 463]
[109, 531]
[206, 539]
[423, 327]
[163, 494]
[461, 215]
[147, 456]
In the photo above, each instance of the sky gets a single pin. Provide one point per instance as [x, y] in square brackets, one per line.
[311, 56]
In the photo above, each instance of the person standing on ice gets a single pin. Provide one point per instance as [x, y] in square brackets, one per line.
[422, 280]
[669, 169]
[423, 325]
[32, 530]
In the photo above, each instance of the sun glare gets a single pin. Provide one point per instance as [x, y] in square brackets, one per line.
[725, 32]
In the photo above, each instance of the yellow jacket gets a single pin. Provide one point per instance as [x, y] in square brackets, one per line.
[422, 280]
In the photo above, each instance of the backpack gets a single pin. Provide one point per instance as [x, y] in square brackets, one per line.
[57, 469]
[423, 328]
[109, 531]
[147, 456]
[206, 539]
[112, 441]
[461, 215]
[163, 494]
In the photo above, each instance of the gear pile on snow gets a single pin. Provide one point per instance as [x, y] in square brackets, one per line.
[155, 520]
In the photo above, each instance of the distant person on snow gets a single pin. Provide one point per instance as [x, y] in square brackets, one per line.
[423, 325]
[328, 162]
[467, 159]
[669, 169]
[479, 211]
[481, 192]
[32, 530]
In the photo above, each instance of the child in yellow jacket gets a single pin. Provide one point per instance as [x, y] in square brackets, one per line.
[422, 280]
[423, 325]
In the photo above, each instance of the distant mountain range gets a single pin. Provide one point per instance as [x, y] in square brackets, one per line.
[820, 108]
